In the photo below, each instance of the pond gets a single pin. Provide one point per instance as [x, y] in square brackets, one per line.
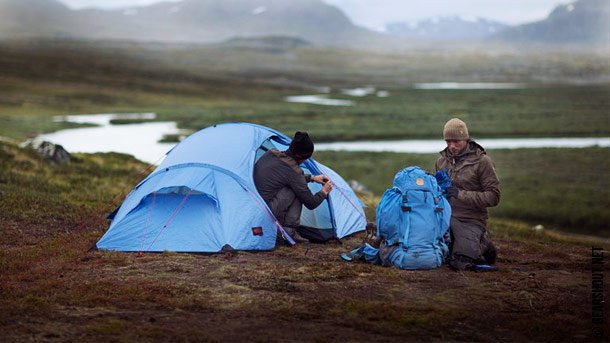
[469, 85]
[431, 146]
[142, 139]
[324, 100]
[319, 99]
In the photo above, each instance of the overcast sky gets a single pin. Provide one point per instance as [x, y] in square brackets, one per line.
[375, 13]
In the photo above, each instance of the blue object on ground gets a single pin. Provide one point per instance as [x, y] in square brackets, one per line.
[484, 268]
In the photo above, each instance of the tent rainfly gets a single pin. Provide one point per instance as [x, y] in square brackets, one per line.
[202, 197]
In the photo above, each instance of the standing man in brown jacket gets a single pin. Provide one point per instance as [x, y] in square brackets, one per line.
[475, 188]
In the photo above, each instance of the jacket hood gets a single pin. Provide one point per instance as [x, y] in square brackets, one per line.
[473, 148]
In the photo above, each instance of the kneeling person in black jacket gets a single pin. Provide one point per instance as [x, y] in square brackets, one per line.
[283, 184]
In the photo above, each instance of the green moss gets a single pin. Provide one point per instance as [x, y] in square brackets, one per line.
[565, 189]
[51, 215]
[233, 289]
[190, 86]
[109, 326]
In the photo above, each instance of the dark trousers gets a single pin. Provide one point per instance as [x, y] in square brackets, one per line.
[470, 244]
[286, 208]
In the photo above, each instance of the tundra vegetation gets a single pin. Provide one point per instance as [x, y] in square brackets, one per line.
[53, 287]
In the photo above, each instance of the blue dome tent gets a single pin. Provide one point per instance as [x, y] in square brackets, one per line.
[202, 197]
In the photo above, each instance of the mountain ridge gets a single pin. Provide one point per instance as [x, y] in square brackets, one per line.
[446, 28]
[581, 21]
[204, 21]
[314, 21]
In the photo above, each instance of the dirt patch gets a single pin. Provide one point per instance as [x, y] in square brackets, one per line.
[56, 290]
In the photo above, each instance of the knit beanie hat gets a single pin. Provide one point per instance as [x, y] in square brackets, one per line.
[456, 130]
[301, 146]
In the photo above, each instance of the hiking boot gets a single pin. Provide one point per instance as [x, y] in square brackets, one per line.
[490, 254]
[371, 230]
[298, 238]
[292, 232]
[460, 262]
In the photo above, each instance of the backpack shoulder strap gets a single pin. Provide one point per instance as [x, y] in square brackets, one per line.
[407, 209]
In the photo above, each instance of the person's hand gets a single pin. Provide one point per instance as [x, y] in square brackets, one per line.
[321, 179]
[452, 192]
[328, 186]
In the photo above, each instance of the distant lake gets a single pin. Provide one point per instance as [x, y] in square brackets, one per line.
[324, 100]
[436, 145]
[321, 99]
[469, 85]
[142, 140]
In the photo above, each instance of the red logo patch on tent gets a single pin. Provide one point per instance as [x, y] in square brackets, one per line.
[257, 231]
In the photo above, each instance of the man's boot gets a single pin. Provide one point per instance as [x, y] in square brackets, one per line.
[490, 254]
[292, 232]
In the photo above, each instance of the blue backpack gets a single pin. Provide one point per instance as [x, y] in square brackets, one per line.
[412, 222]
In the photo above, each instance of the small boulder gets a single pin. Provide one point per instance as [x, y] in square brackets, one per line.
[359, 188]
[54, 153]
[538, 228]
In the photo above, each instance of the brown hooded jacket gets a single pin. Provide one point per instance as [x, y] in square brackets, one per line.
[472, 172]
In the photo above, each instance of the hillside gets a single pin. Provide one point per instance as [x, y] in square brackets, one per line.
[582, 21]
[270, 44]
[248, 80]
[54, 288]
[34, 18]
[190, 21]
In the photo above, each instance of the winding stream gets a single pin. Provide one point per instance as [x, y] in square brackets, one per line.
[142, 139]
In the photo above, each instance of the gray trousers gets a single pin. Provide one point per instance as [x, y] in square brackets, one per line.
[470, 244]
[286, 207]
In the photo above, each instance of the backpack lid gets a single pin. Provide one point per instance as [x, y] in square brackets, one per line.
[415, 178]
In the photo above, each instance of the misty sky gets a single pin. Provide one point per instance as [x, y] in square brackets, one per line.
[375, 13]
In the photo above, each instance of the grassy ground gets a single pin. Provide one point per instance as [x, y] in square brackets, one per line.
[39, 80]
[562, 188]
[53, 288]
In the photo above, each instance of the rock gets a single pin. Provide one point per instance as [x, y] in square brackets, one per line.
[49, 151]
[359, 188]
[538, 228]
